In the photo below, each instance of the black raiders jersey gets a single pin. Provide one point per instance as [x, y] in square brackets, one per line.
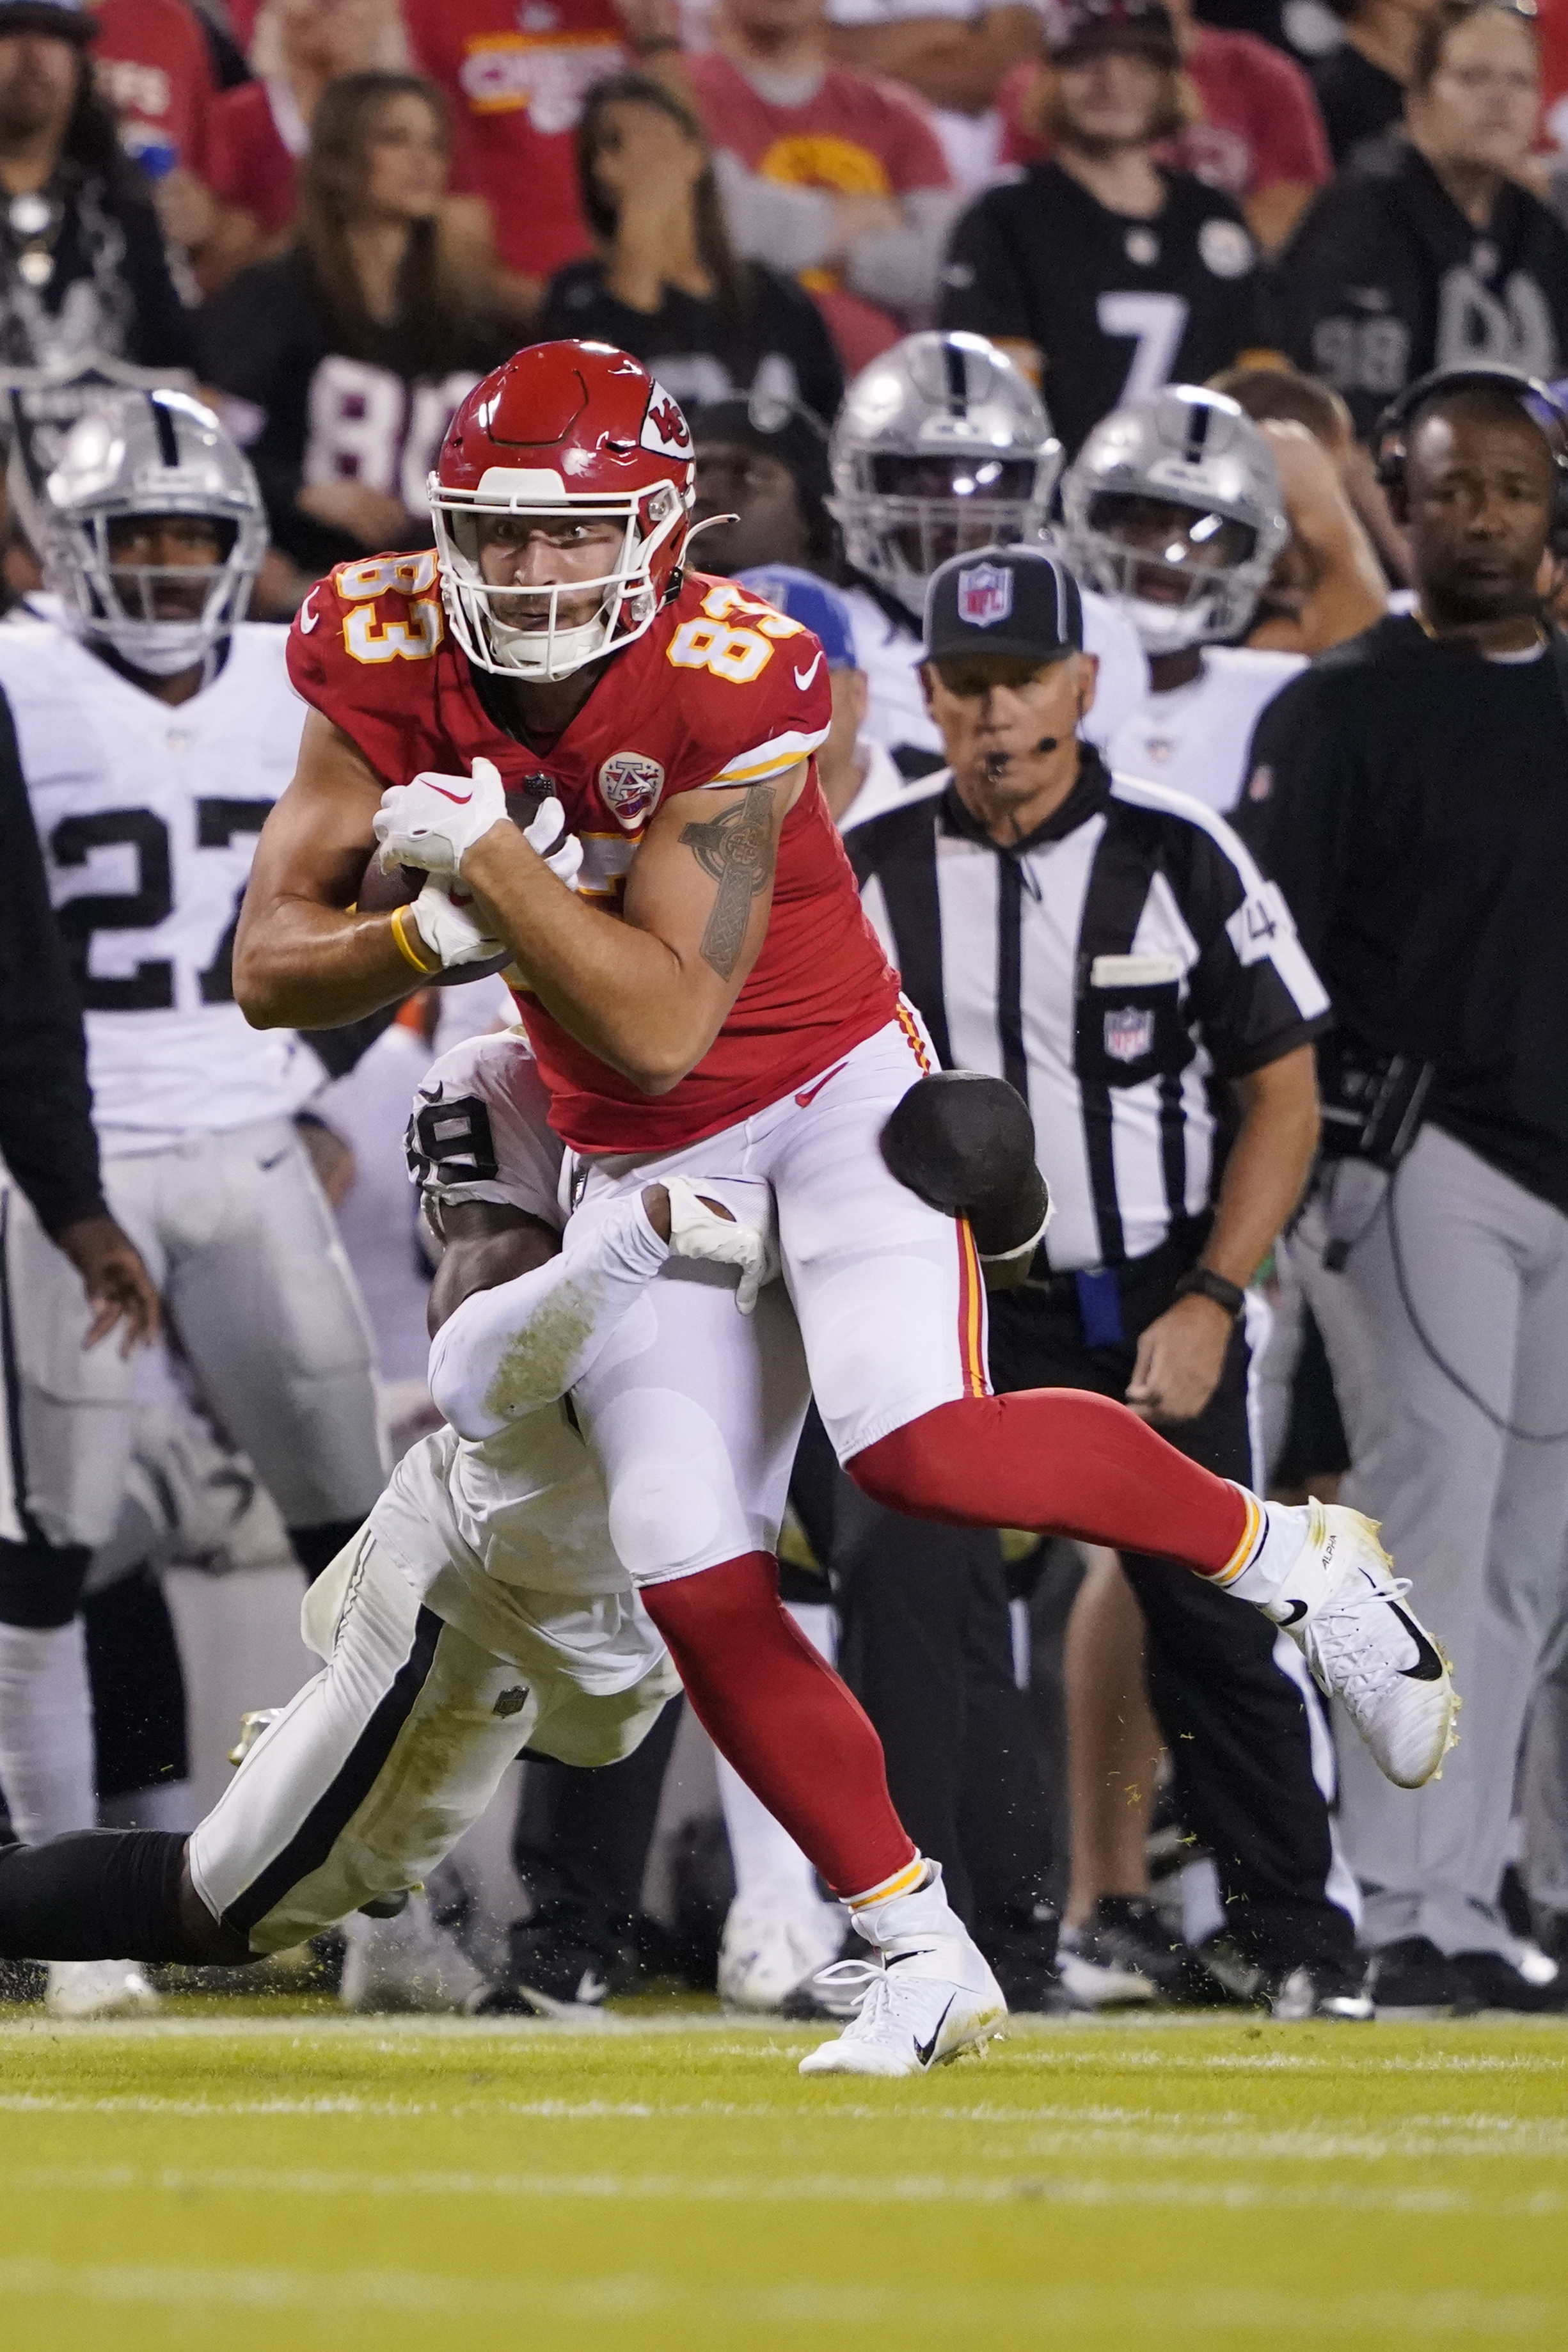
[1387, 278]
[1117, 307]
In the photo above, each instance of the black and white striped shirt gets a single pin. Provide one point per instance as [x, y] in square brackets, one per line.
[1110, 966]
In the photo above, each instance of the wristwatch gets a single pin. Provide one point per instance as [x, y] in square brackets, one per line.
[1204, 1282]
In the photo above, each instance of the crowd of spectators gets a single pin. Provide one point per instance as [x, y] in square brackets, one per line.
[335, 216]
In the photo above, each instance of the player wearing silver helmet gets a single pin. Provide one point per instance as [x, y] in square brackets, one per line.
[942, 447]
[156, 728]
[1172, 509]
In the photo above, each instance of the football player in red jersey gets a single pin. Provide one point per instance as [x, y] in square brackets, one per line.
[714, 981]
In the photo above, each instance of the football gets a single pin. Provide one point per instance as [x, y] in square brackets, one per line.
[383, 889]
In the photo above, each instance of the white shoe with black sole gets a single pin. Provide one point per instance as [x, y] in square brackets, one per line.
[1366, 1648]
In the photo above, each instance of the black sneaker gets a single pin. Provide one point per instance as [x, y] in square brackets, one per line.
[1019, 1944]
[1124, 1954]
[1413, 1979]
[1336, 1989]
[1491, 1981]
[834, 1992]
[563, 1962]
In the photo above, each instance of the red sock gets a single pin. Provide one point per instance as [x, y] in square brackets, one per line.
[782, 1716]
[1063, 1461]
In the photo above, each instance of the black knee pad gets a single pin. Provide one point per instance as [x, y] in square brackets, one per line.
[40, 1584]
[964, 1143]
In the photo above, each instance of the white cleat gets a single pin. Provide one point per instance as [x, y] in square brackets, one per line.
[80, 1988]
[407, 1964]
[777, 1933]
[1367, 1649]
[919, 2011]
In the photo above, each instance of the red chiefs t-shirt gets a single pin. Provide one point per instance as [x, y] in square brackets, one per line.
[517, 72]
[152, 63]
[721, 690]
[1260, 127]
[856, 136]
[248, 164]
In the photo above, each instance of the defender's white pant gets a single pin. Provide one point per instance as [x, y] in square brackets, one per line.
[238, 1236]
[377, 1766]
[693, 1409]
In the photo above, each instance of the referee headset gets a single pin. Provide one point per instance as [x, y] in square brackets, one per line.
[1390, 443]
[1534, 397]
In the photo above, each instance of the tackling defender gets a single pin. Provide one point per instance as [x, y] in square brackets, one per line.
[717, 995]
[481, 1609]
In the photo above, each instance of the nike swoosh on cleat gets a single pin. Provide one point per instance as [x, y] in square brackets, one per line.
[1297, 1610]
[803, 677]
[1428, 1665]
[810, 1094]
[926, 2051]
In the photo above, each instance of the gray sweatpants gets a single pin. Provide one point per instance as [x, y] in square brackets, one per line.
[1449, 1259]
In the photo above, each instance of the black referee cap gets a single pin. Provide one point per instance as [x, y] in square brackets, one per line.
[1016, 601]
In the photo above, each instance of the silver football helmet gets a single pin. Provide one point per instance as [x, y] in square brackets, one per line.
[942, 446]
[1173, 507]
[151, 453]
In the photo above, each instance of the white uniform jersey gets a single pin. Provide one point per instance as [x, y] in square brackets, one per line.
[889, 653]
[148, 814]
[500, 1534]
[1195, 739]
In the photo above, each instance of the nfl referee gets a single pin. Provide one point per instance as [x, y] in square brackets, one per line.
[1110, 947]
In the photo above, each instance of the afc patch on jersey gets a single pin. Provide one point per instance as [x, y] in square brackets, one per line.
[665, 428]
[630, 786]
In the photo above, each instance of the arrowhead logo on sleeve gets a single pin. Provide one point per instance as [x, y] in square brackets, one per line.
[985, 595]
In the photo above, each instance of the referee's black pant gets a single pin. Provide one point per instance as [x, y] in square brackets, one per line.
[1235, 1723]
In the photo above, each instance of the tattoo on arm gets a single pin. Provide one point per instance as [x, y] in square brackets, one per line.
[737, 848]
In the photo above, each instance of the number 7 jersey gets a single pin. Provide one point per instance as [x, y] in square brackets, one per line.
[148, 814]
[721, 691]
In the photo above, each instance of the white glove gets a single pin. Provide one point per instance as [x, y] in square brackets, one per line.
[444, 918]
[550, 825]
[697, 1233]
[434, 822]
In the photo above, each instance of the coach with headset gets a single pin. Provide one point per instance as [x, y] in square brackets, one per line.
[1409, 793]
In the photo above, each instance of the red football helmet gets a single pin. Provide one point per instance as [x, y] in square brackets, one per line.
[568, 428]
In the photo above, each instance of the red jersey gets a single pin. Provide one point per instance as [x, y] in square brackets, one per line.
[721, 690]
[250, 163]
[152, 63]
[1261, 124]
[855, 136]
[517, 72]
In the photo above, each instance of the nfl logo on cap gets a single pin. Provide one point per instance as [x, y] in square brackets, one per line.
[985, 595]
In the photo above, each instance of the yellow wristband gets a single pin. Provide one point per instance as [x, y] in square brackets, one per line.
[412, 948]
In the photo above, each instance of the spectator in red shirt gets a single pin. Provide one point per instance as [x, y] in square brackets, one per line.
[259, 132]
[825, 171]
[667, 287]
[1260, 138]
[516, 73]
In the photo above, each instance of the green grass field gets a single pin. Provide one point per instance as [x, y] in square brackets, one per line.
[288, 2176]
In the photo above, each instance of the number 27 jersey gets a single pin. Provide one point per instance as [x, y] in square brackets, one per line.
[722, 690]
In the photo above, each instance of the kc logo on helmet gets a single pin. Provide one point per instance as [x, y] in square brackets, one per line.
[985, 595]
[1129, 1034]
[630, 786]
[663, 427]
